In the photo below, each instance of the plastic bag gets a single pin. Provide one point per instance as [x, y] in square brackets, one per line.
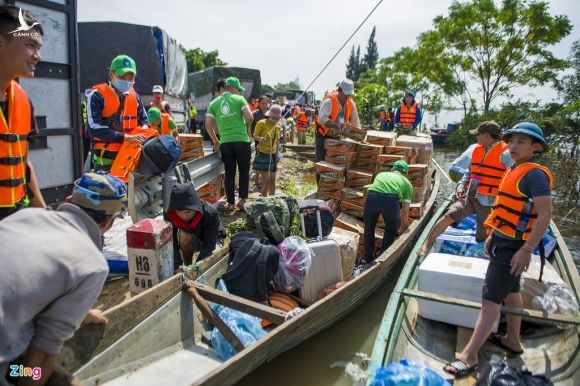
[405, 373]
[246, 327]
[295, 261]
[500, 373]
[557, 299]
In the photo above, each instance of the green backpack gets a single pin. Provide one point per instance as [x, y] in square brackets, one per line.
[271, 217]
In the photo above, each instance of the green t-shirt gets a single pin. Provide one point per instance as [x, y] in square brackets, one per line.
[394, 183]
[227, 112]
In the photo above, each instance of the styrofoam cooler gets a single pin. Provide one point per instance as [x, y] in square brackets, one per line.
[454, 276]
[326, 269]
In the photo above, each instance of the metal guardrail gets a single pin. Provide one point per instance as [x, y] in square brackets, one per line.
[148, 195]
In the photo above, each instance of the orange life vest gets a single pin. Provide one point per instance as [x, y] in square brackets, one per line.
[302, 122]
[488, 168]
[407, 115]
[14, 132]
[129, 118]
[165, 128]
[129, 154]
[282, 302]
[382, 115]
[510, 204]
[323, 129]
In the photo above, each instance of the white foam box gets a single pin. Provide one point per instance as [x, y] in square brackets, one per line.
[454, 244]
[453, 276]
[459, 232]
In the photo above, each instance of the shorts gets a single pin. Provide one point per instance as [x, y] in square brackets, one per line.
[463, 208]
[266, 162]
[499, 282]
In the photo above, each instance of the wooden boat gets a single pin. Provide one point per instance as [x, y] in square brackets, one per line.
[170, 346]
[91, 339]
[405, 334]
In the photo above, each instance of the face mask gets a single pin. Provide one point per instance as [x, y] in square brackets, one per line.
[123, 85]
[158, 98]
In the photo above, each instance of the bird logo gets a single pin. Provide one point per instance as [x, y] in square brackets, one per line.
[23, 24]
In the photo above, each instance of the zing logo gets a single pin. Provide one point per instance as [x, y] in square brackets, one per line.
[24, 27]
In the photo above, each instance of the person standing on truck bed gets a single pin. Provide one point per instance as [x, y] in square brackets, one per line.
[19, 55]
[113, 110]
[231, 114]
[337, 111]
[158, 100]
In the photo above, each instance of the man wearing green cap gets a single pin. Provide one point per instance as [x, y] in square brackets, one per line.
[389, 196]
[50, 284]
[231, 115]
[115, 113]
[162, 122]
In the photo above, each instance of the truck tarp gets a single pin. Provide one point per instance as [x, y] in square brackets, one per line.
[158, 57]
[204, 82]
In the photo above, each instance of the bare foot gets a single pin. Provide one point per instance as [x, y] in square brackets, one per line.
[423, 250]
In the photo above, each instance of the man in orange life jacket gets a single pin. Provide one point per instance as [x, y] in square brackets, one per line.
[489, 161]
[520, 216]
[302, 120]
[336, 111]
[19, 55]
[408, 116]
[384, 118]
[114, 113]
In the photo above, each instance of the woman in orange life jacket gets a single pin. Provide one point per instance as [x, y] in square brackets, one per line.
[489, 160]
[519, 218]
[19, 56]
[115, 113]
[162, 122]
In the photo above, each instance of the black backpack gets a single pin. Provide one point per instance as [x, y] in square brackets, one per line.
[253, 267]
[160, 155]
[310, 213]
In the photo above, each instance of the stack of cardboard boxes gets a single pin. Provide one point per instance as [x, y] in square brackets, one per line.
[213, 191]
[191, 146]
[350, 165]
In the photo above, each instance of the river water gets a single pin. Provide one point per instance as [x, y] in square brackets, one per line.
[314, 362]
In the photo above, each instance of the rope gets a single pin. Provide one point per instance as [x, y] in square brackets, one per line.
[337, 52]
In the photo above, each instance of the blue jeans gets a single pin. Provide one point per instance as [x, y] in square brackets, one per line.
[388, 206]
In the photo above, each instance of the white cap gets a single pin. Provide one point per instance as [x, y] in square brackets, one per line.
[158, 88]
[347, 87]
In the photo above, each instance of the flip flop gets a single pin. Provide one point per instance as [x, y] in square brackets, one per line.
[461, 368]
[496, 339]
[240, 207]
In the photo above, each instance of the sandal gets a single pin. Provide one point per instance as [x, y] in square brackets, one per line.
[240, 207]
[461, 369]
[496, 339]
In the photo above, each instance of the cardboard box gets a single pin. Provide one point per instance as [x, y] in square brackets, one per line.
[211, 197]
[354, 197]
[368, 149]
[337, 146]
[189, 141]
[358, 178]
[416, 210]
[453, 244]
[346, 159]
[350, 223]
[419, 193]
[408, 152]
[384, 138]
[324, 196]
[422, 144]
[330, 192]
[355, 133]
[353, 210]
[348, 242]
[330, 182]
[417, 174]
[367, 167]
[389, 159]
[330, 170]
[191, 153]
[454, 276]
[382, 169]
[366, 159]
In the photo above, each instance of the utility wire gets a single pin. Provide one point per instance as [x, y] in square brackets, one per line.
[340, 49]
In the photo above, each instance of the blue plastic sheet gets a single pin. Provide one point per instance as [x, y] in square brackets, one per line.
[406, 373]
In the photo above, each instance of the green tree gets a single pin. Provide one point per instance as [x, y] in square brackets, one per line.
[266, 89]
[198, 60]
[372, 54]
[292, 85]
[368, 99]
[497, 46]
[352, 65]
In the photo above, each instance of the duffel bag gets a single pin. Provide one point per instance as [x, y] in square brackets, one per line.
[316, 218]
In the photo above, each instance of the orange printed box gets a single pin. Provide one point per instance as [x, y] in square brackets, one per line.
[329, 169]
[377, 137]
[348, 222]
[331, 193]
[389, 159]
[416, 210]
[367, 167]
[368, 149]
[340, 145]
[408, 152]
[351, 209]
[383, 168]
[341, 159]
[417, 174]
[353, 196]
[358, 178]
[330, 182]
[355, 133]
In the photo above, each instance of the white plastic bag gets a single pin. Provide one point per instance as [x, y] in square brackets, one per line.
[295, 261]
[557, 299]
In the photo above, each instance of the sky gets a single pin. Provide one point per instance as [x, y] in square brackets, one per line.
[295, 39]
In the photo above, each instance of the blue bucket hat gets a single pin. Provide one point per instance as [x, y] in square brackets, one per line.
[100, 192]
[530, 129]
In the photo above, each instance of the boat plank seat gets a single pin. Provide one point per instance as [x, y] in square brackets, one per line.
[463, 335]
[532, 314]
[239, 303]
